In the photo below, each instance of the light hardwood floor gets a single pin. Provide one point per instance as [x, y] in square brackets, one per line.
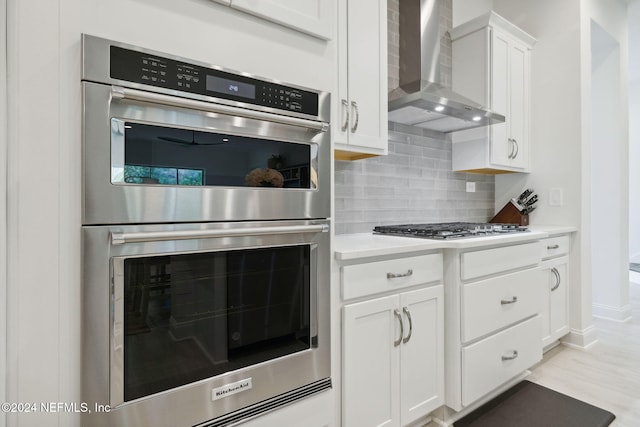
[608, 374]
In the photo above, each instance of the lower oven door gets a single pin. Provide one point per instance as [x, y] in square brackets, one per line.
[189, 323]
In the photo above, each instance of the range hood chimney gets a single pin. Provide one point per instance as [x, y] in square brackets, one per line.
[421, 100]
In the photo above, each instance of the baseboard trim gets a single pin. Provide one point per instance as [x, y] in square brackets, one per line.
[581, 339]
[615, 314]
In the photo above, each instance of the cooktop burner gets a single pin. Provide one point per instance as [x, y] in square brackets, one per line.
[448, 230]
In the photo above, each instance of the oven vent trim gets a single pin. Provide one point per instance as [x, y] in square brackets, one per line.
[241, 416]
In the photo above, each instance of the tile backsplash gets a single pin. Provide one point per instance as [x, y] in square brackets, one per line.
[414, 183]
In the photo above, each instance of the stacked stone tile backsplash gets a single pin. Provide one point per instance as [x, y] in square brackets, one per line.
[414, 183]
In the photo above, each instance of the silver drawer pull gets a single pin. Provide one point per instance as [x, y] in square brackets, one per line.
[557, 274]
[514, 299]
[513, 356]
[396, 313]
[398, 275]
[407, 313]
[553, 247]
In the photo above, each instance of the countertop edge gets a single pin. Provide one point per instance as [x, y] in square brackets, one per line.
[349, 247]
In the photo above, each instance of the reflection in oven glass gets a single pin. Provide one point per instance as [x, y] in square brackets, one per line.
[173, 156]
[194, 316]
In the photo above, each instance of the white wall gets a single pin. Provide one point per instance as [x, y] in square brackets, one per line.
[634, 130]
[466, 10]
[609, 179]
[44, 157]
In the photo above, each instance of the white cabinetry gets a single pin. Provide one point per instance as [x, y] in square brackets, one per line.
[393, 342]
[314, 17]
[555, 293]
[491, 65]
[492, 318]
[360, 107]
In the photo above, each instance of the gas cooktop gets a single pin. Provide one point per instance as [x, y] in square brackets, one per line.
[449, 230]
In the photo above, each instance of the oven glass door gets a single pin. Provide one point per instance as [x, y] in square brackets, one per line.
[146, 154]
[191, 316]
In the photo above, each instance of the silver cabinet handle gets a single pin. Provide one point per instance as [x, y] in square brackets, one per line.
[517, 147]
[407, 313]
[510, 156]
[513, 356]
[174, 101]
[557, 274]
[513, 299]
[345, 109]
[397, 342]
[398, 275]
[357, 114]
[553, 247]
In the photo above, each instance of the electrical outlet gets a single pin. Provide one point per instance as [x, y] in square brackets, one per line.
[471, 187]
[556, 197]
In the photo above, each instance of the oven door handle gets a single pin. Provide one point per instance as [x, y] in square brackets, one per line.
[119, 237]
[118, 92]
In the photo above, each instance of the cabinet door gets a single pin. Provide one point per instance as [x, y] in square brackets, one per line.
[371, 358]
[555, 309]
[313, 17]
[362, 92]
[558, 311]
[518, 57]
[422, 353]
[500, 145]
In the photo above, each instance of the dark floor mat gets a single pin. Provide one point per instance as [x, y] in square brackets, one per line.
[634, 267]
[531, 405]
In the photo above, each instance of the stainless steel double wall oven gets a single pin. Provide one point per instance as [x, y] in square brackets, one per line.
[206, 248]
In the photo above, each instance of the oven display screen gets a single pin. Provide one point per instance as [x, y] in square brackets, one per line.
[230, 87]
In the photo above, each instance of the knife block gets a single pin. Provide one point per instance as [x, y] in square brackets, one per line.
[510, 214]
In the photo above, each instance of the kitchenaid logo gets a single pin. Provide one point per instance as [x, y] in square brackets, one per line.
[229, 389]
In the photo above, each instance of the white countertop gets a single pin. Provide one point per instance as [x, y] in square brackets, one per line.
[363, 245]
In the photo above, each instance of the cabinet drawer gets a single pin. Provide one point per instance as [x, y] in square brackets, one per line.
[375, 277]
[555, 246]
[494, 303]
[491, 261]
[493, 361]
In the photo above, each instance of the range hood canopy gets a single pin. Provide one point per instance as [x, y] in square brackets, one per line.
[421, 100]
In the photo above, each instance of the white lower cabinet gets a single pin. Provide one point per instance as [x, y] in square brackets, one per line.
[393, 358]
[491, 362]
[493, 318]
[555, 288]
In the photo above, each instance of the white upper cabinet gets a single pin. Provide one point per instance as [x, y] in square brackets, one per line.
[360, 106]
[314, 17]
[491, 65]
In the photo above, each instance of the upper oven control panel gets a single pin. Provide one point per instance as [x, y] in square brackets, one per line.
[150, 69]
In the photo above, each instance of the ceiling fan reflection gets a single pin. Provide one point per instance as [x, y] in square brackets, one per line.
[193, 141]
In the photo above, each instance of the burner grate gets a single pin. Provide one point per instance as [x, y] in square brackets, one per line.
[448, 230]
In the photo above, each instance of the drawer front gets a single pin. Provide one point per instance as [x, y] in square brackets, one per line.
[382, 276]
[555, 246]
[498, 302]
[492, 261]
[495, 360]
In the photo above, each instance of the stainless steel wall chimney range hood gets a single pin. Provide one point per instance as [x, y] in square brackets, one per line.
[421, 100]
